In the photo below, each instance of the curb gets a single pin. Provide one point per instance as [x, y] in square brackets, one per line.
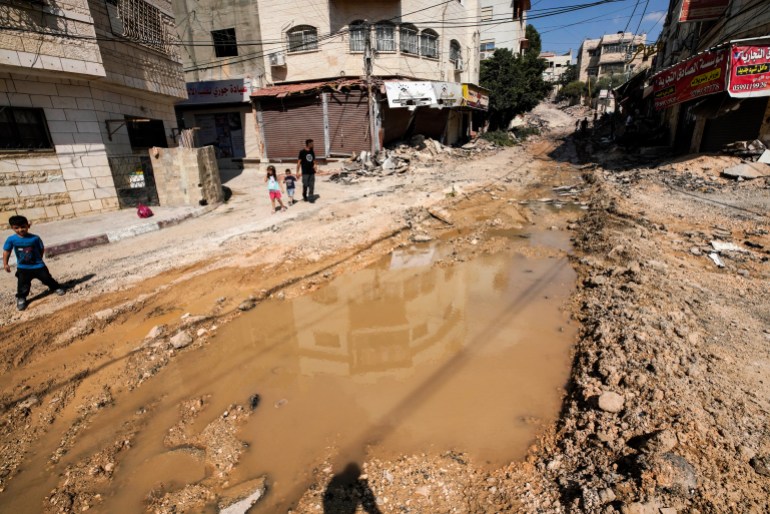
[114, 236]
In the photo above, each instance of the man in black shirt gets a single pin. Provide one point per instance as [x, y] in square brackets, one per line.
[306, 161]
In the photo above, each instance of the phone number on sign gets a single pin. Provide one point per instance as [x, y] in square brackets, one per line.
[746, 87]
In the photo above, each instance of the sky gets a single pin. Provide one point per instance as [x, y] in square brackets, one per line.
[603, 19]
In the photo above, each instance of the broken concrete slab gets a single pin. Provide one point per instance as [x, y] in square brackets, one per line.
[747, 171]
[722, 246]
[441, 215]
[241, 498]
[715, 257]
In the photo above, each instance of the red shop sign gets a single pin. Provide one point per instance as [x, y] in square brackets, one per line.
[700, 75]
[702, 10]
[750, 71]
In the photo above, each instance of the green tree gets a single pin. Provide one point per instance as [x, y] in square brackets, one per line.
[569, 75]
[572, 91]
[533, 36]
[516, 85]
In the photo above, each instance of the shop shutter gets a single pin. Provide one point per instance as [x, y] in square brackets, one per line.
[742, 124]
[431, 122]
[348, 122]
[288, 122]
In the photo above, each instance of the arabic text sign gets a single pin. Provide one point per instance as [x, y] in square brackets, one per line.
[750, 71]
[405, 94]
[218, 91]
[700, 75]
[702, 10]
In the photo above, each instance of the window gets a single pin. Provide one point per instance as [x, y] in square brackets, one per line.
[358, 36]
[143, 24]
[592, 53]
[613, 68]
[303, 38]
[455, 54]
[144, 133]
[486, 14]
[385, 37]
[410, 41]
[429, 44]
[23, 129]
[487, 49]
[518, 10]
[224, 43]
[593, 72]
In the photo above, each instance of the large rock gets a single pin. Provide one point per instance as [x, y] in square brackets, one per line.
[672, 472]
[181, 340]
[659, 442]
[611, 402]
[241, 498]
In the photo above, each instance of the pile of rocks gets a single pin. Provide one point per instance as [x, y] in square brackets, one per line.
[403, 156]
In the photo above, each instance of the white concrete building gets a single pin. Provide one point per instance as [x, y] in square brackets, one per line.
[503, 25]
[611, 54]
[86, 86]
[557, 65]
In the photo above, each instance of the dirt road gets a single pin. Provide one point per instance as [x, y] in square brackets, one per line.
[666, 405]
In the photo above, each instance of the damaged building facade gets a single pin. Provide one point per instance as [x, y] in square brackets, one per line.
[309, 78]
[711, 80]
[86, 86]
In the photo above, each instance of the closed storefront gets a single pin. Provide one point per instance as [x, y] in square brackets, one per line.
[287, 122]
[742, 124]
[348, 117]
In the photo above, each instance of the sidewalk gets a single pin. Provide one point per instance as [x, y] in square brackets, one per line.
[74, 234]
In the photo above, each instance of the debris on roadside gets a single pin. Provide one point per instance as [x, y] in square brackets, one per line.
[753, 149]
[715, 257]
[404, 156]
[747, 171]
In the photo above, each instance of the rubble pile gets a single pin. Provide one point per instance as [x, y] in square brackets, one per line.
[749, 150]
[404, 156]
[579, 111]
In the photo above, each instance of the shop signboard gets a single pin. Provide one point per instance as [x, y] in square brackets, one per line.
[749, 71]
[217, 92]
[700, 75]
[702, 10]
[448, 94]
[410, 94]
[475, 97]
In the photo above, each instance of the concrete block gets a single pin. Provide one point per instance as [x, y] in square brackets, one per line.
[101, 171]
[34, 214]
[9, 166]
[93, 138]
[54, 114]
[20, 99]
[38, 162]
[27, 190]
[105, 182]
[81, 207]
[105, 192]
[34, 87]
[50, 63]
[110, 203]
[73, 185]
[65, 209]
[80, 114]
[51, 212]
[62, 139]
[85, 103]
[76, 173]
[76, 91]
[40, 101]
[88, 127]
[96, 205]
[9, 58]
[89, 183]
[94, 160]
[65, 102]
[74, 66]
[83, 195]
[48, 188]
[8, 192]
[62, 126]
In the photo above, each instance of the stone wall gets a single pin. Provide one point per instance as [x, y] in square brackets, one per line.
[187, 176]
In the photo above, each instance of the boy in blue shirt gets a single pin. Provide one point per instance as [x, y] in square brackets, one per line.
[29, 252]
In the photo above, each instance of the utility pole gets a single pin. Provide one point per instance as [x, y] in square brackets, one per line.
[368, 65]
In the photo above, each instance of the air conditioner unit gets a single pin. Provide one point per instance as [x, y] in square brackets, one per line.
[277, 59]
[460, 65]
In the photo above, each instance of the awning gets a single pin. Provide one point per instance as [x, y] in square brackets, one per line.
[284, 90]
[700, 75]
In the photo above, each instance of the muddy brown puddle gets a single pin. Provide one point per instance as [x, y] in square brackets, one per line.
[402, 357]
